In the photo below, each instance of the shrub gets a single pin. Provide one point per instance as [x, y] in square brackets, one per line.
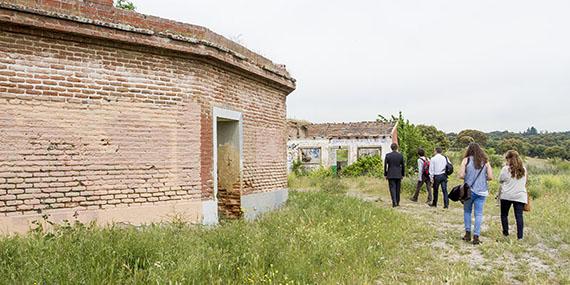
[321, 173]
[298, 168]
[542, 169]
[561, 165]
[552, 182]
[333, 185]
[365, 166]
[409, 186]
[496, 160]
[534, 187]
[125, 5]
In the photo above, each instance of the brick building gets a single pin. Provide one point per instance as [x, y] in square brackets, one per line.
[338, 144]
[114, 116]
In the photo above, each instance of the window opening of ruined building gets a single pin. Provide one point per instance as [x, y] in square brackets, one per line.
[369, 151]
[310, 155]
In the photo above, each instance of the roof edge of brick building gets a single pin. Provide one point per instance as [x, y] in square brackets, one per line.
[100, 19]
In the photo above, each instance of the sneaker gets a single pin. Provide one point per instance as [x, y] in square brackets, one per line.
[432, 205]
[414, 199]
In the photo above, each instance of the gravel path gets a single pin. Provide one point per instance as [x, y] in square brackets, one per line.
[517, 260]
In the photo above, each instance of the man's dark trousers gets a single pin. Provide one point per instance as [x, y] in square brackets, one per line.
[394, 171]
[437, 181]
[395, 186]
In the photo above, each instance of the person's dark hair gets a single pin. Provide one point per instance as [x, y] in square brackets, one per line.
[421, 152]
[394, 146]
[515, 164]
[479, 156]
[438, 149]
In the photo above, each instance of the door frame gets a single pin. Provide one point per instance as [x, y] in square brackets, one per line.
[221, 113]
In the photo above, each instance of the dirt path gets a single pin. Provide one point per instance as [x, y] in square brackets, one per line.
[519, 261]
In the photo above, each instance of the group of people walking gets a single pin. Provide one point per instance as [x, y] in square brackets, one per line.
[476, 172]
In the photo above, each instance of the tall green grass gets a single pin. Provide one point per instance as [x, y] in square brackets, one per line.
[316, 238]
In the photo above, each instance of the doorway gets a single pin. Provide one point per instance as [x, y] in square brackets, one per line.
[228, 163]
[341, 158]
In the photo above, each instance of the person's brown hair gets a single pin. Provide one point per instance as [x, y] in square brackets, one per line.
[515, 164]
[479, 156]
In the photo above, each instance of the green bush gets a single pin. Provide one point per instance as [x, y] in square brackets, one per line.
[298, 168]
[365, 166]
[333, 185]
[320, 173]
[409, 185]
[496, 160]
[561, 165]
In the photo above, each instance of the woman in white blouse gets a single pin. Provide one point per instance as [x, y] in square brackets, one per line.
[513, 179]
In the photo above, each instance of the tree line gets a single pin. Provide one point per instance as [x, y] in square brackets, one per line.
[529, 143]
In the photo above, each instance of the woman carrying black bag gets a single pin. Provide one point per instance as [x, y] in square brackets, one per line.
[476, 172]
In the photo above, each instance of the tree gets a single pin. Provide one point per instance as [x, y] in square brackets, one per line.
[125, 5]
[532, 131]
[463, 141]
[513, 144]
[555, 152]
[435, 136]
[537, 150]
[477, 136]
[410, 138]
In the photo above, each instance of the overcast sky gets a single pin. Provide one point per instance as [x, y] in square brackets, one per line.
[489, 65]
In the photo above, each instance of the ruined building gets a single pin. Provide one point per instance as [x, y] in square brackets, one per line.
[113, 116]
[339, 144]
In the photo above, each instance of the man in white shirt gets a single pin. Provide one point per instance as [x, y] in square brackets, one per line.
[438, 177]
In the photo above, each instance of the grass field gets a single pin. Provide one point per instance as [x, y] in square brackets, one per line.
[332, 231]
[542, 258]
[318, 238]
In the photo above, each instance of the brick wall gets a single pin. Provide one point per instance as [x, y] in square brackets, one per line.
[95, 124]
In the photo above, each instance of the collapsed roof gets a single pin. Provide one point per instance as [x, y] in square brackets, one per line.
[369, 129]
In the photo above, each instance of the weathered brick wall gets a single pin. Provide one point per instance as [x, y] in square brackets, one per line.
[264, 120]
[96, 124]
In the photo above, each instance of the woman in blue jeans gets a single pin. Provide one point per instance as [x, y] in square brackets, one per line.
[476, 172]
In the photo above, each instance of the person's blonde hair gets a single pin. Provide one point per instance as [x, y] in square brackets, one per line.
[515, 164]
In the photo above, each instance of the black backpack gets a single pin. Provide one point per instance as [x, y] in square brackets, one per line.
[448, 167]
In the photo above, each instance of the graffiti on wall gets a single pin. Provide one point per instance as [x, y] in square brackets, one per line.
[311, 155]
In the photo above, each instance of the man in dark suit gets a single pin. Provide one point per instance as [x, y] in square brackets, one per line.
[394, 171]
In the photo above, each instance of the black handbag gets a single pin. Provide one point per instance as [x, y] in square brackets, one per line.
[462, 192]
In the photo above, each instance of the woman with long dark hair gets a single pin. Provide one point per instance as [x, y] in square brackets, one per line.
[513, 191]
[476, 172]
